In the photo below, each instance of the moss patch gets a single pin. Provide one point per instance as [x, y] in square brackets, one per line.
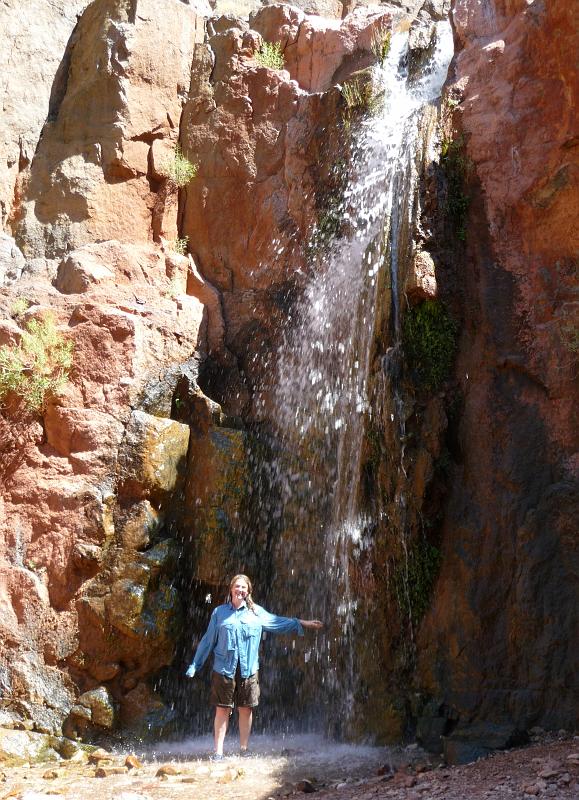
[456, 166]
[414, 579]
[429, 341]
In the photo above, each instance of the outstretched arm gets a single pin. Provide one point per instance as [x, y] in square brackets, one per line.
[315, 624]
[274, 624]
[205, 646]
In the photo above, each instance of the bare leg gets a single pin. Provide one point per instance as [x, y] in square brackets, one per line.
[220, 727]
[245, 719]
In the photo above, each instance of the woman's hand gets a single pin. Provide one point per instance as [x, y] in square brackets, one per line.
[191, 672]
[315, 624]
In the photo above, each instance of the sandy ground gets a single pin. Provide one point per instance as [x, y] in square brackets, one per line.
[293, 766]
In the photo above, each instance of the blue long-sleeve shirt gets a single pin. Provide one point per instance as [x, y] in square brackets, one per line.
[234, 635]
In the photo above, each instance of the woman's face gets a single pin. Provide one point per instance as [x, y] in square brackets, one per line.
[239, 592]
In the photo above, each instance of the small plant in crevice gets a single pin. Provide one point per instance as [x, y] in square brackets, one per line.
[380, 44]
[19, 306]
[270, 55]
[180, 171]
[179, 246]
[174, 289]
[38, 366]
[429, 336]
[449, 104]
[456, 167]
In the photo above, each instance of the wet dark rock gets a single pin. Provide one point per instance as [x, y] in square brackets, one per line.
[138, 525]
[192, 406]
[430, 730]
[79, 712]
[467, 743]
[421, 41]
[306, 786]
[392, 362]
[153, 456]
[158, 393]
[215, 490]
[67, 748]
[144, 713]
[496, 643]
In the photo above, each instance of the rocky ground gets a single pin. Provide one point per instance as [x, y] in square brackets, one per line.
[547, 768]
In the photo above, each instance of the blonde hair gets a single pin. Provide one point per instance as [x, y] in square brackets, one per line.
[248, 599]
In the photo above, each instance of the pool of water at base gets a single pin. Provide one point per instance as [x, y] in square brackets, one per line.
[296, 755]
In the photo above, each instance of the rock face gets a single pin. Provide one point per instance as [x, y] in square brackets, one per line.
[263, 144]
[86, 560]
[499, 642]
[112, 125]
[27, 83]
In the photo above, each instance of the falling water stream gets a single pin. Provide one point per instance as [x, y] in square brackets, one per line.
[319, 401]
[305, 488]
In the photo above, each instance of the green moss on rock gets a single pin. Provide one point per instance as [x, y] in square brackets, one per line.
[429, 340]
[414, 579]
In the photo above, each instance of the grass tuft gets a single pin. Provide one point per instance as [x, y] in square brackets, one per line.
[380, 44]
[179, 246]
[180, 171]
[19, 306]
[361, 98]
[38, 366]
[270, 55]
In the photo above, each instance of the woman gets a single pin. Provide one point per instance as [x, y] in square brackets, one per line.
[233, 636]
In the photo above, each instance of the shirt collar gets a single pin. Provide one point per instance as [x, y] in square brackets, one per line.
[241, 607]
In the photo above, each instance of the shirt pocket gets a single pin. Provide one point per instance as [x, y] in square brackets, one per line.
[226, 641]
[250, 633]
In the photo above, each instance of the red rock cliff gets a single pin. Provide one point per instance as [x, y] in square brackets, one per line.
[500, 641]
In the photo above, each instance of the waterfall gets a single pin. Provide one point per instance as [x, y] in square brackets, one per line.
[318, 402]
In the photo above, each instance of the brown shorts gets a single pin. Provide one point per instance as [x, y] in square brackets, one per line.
[237, 691]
